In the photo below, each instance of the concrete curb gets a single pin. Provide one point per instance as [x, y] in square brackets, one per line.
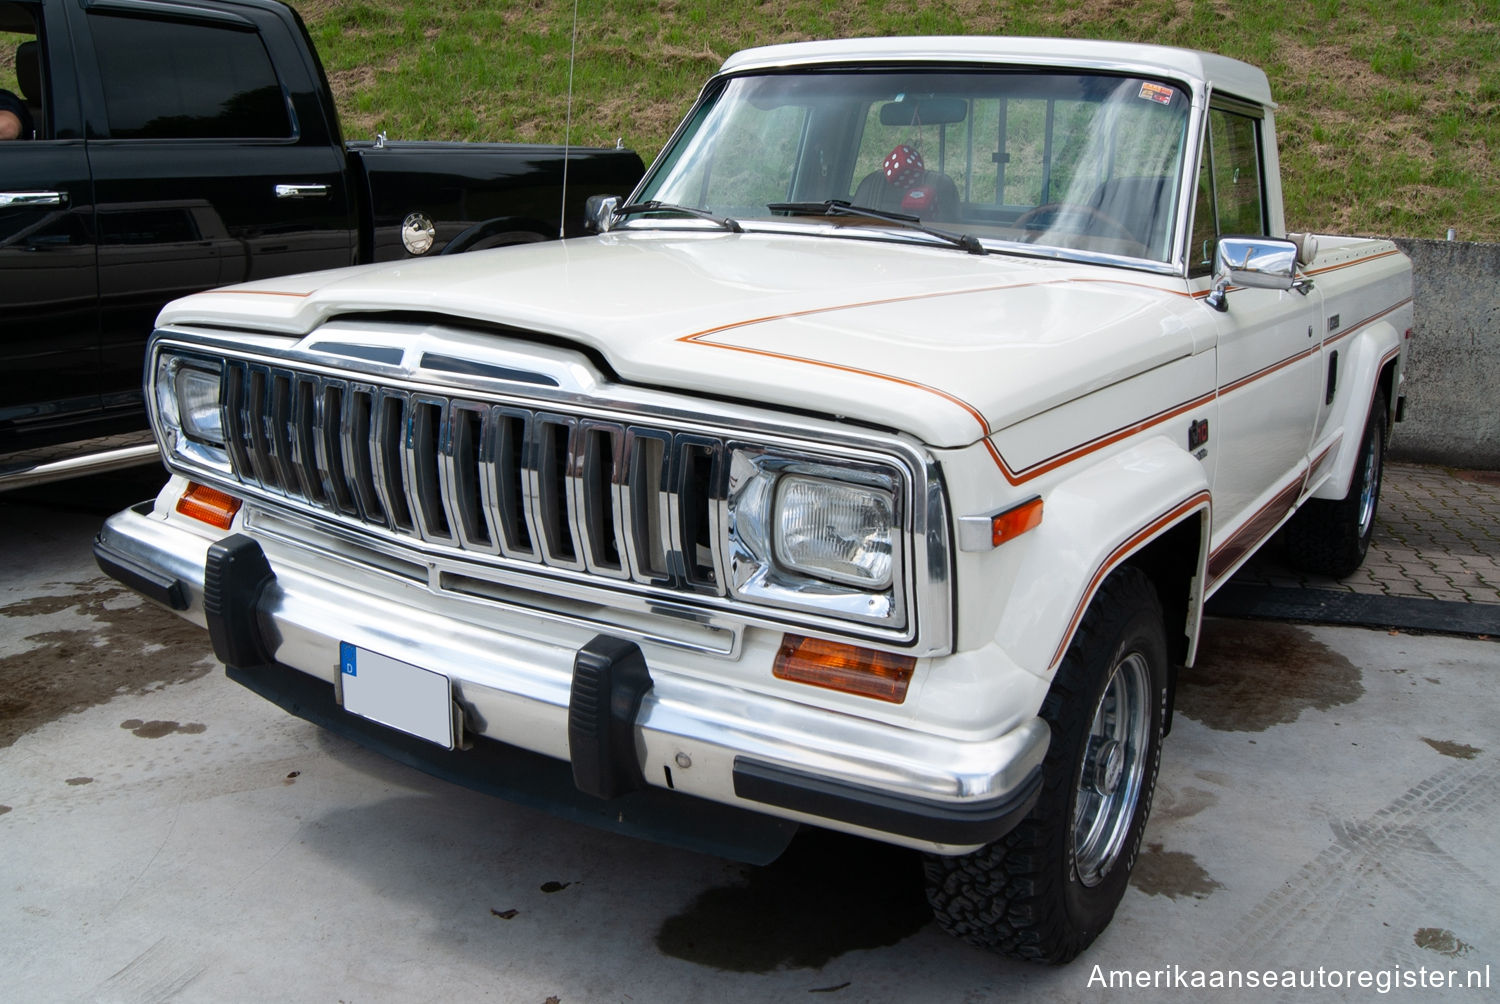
[1327, 606]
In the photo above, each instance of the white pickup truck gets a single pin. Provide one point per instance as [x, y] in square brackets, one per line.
[869, 469]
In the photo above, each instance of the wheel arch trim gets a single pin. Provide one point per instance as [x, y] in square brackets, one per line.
[1372, 360]
[1182, 514]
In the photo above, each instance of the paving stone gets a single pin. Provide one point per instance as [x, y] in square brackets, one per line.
[1437, 535]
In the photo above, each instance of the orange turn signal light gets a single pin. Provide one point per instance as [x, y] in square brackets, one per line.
[208, 505]
[849, 668]
[1011, 523]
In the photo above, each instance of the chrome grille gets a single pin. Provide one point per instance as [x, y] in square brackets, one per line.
[568, 491]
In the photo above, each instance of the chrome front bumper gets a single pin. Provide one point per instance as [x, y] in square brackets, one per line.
[277, 613]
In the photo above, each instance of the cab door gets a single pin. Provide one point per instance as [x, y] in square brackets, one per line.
[210, 166]
[49, 336]
[1268, 351]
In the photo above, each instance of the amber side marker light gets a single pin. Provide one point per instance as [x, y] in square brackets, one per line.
[1012, 523]
[849, 668]
[208, 505]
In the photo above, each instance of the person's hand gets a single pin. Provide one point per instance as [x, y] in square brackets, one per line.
[10, 125]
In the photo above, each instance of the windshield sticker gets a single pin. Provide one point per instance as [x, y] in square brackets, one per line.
[1159, 93]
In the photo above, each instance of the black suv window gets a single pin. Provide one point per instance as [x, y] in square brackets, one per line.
[175, 79]
[21, 75]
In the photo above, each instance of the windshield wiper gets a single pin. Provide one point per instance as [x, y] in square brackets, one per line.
[839, 207]
[656, 206]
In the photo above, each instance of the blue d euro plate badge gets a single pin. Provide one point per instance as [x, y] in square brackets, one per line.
[406, 697]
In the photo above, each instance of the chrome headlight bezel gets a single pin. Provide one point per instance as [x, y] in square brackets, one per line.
[188, 410]
[762, 568]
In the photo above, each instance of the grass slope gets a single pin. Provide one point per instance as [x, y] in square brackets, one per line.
[1389, 120]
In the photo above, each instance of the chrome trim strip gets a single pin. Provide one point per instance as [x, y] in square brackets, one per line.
[25, 475]
[302, 191]
[8, 199]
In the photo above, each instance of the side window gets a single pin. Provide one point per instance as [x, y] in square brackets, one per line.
[185, 80]
[1205, 225]
[1237, 188]
[22, 91]
[1231, 197]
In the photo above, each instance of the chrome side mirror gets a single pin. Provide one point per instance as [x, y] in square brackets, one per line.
[1254, 263]
[599, 213]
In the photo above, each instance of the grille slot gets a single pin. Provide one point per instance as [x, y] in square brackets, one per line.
[425, 484]
[466, 478]
[553, 489]
[356, 433]
[330, 423]
[614, 500]
[598, 486]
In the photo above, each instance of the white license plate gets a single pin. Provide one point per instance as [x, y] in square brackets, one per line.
[406, 697]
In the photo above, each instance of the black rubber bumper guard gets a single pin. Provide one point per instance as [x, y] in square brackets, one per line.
[152, 583]
[603, 785]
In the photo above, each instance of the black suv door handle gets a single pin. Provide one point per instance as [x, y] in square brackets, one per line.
[301, 191]
[33, 198]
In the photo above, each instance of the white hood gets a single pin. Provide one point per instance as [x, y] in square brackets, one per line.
[930, 340]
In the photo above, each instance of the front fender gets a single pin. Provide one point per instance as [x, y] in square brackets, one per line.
[1094, 521]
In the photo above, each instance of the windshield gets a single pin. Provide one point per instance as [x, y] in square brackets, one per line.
[1063, 160]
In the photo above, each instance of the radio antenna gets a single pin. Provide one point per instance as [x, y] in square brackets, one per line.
[562, 218]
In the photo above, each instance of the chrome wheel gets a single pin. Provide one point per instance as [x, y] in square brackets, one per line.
[1370, 490]
[1332, 536]
[1114, 765]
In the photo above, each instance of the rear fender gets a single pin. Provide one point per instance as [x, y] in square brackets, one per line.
[1364, 358]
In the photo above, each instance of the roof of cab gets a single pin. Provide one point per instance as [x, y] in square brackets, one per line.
[1191, 67]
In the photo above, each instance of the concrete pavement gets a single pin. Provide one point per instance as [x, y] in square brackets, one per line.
[1325, 807]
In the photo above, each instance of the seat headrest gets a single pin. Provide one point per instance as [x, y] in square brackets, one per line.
[29, 72]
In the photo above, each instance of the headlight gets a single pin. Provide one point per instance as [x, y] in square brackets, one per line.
[190, 416]
[840, 532]
[198, 404]
[817, 535]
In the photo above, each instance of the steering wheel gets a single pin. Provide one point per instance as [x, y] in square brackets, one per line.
[1058, 210]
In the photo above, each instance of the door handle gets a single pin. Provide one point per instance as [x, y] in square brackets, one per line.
[301, 191]
[33, 198]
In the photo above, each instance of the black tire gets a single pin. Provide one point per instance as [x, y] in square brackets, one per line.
[1040, 893]
[1331, 537]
